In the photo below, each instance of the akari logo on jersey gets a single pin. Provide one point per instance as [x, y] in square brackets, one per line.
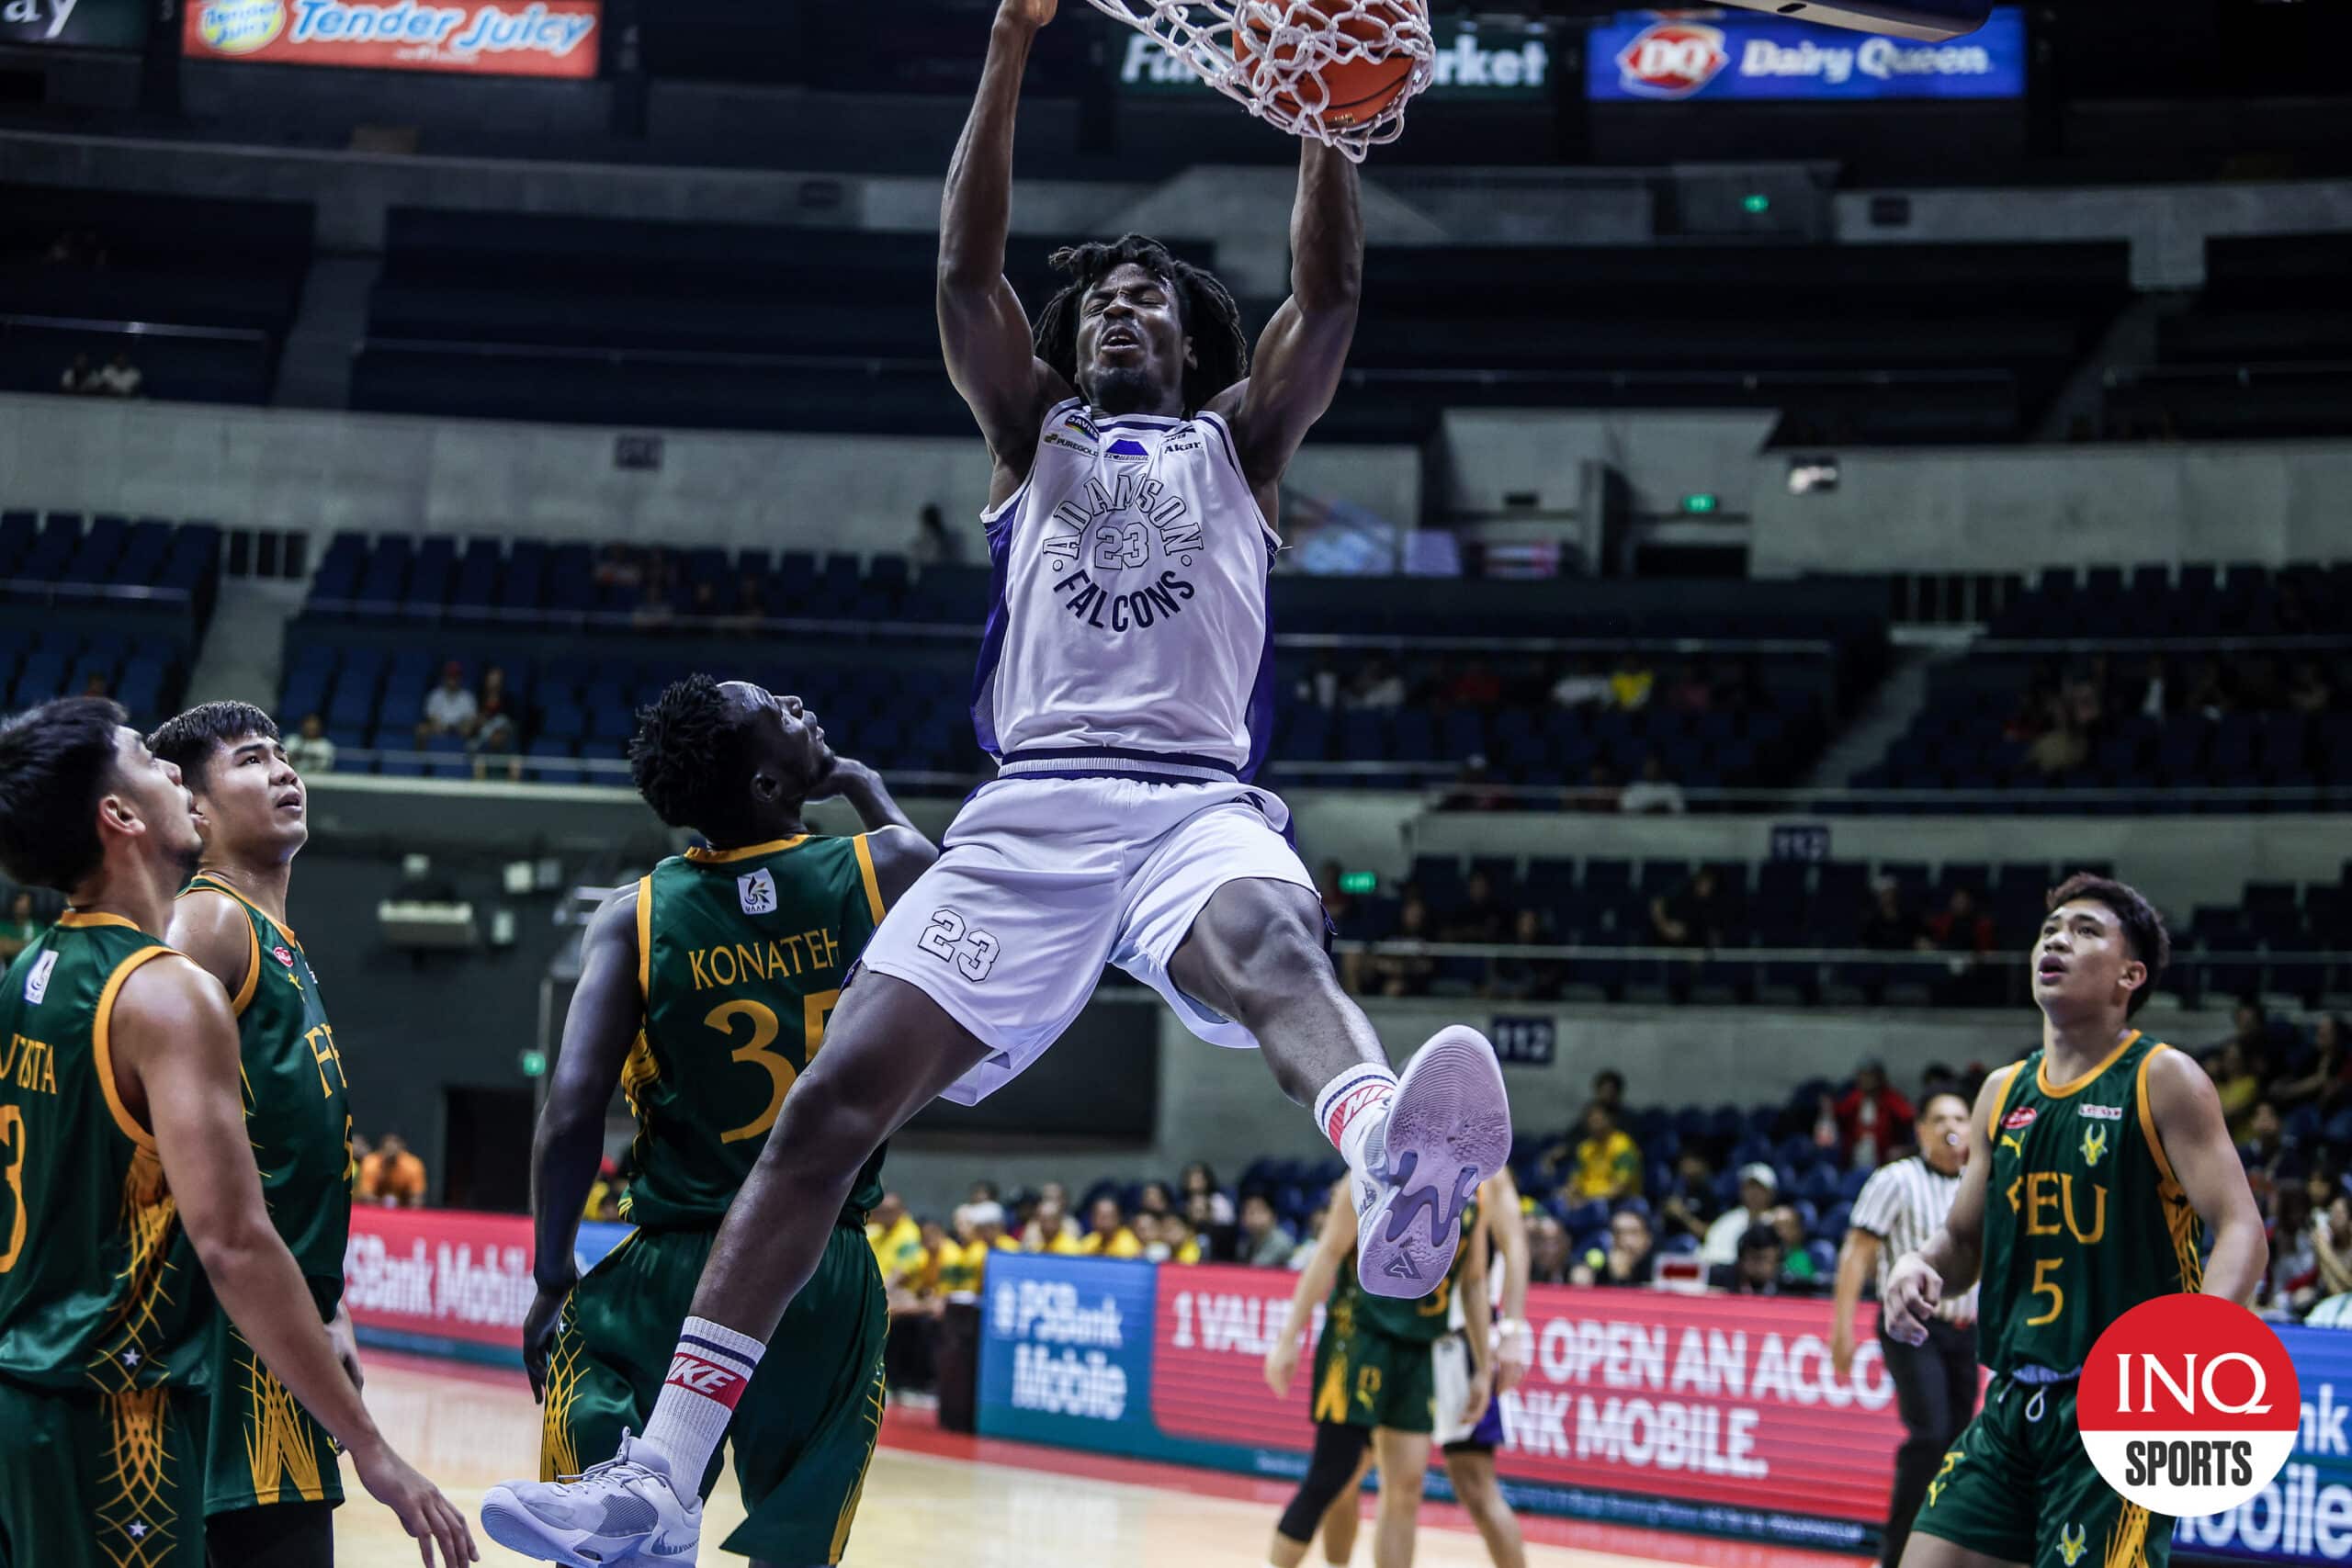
[283, 957]
[2017, 1121]
[757, 892]
[2188, 1406]
[1672, 59]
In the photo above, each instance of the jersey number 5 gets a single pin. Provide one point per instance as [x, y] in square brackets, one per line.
[12, 1151]
[948, 940]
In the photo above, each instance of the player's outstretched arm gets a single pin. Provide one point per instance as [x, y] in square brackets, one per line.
[1304, 349]
[1955, 1254]
[1314, 1283]
[2196, 1138]
[569, 1144]
[982, 329]
[174, 1049]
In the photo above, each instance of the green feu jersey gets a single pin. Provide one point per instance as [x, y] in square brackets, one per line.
[2084, 1220]
[296, 1107]
[740, 958]
[98, 1287]
[1425, 1321]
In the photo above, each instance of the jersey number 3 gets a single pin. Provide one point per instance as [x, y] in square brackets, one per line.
[760, 1048]
[948, 940]
[12, 1168]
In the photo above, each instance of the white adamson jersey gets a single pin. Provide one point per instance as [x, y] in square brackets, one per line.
[1129, 632]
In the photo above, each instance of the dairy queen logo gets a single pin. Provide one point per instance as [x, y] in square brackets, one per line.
[1672, 59]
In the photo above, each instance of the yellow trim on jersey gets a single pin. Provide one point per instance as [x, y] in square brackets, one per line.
[2008, 1081]
[213, 882]
[702, 856]
[2180, 1215]
[244, 996]
[645, 939]
[2148, 1119]
[75, 919]
[102, 1047]
[2061, 1091]
[872, 883]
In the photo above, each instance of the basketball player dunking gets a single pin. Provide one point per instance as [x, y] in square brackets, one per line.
[1124, 689]
[2095, 1163]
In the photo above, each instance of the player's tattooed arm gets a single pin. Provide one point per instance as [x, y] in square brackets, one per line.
[214, 929]
[1303, 350]
[2196, 1137]
[983, 331]
[570, 1143]
[1953, 1257]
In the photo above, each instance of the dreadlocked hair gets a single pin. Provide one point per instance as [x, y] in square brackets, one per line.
[688, 758]
[190, 741]
[1204, 307]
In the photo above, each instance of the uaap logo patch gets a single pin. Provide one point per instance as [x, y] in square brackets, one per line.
[757, 892]
[37, 983]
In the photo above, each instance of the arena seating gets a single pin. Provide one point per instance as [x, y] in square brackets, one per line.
[2265, 350]
[123, 600]
[212, 285]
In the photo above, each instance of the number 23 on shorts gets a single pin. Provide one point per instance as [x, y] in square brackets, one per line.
[950, 941]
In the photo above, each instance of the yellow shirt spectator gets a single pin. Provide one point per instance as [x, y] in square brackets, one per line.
[1609, 1167]
[898, 1245]
[961, 1265]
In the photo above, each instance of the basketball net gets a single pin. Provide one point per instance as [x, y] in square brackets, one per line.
[1293, 41]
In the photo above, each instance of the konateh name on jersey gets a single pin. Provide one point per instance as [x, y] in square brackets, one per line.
[1490, 60]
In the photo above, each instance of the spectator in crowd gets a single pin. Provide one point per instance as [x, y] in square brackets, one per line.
[1652, 795]
[989, 1228]
[1050, 1228]
[1305, 1254]
[1583, 687]
[1608, 1162]
[2208, 694]
[119, 378]
[1320, 686]
[1757, 1270]
[2152, 690]
[1474, 788]
[80, 378]
[1760, 1191]
[1265, 1244]
[393, 1176]
[449, 709]
[934, 544]
[1109, 1235]
[1695, 914]
[1631, 683]
[1156, 1198]
[2291, 1285]
[1514, 978]
[2265, 1148]
[495, 738]
[1220, 1243]
[982, 1191]
[1176, 1243]
[1797, 1263]
[1599, 791]
[2058, 748]
[309, 750]
[2239, 1086]
[22, 928]
[1631, 1257]
[1406, 973]
[1890, 926]
[1377, 685]
[2330, 1077]
[2332, 1245]
[1200, 1181]
[1547, 1249]
[896, 1241]
[1961, 927]
[1483, 917]
[1872, 1118]
[1689, 1206]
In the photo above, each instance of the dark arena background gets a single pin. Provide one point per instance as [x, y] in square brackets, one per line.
[1795, 497]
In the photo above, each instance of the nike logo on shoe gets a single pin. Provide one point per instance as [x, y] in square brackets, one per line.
[667, 1549]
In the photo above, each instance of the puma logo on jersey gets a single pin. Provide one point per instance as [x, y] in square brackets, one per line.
[698, 1376]
[2013, 1145]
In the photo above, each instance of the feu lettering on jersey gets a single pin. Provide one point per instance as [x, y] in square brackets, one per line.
[2084, 1218]
[298, 1108]
[98, 1288]
[741, 956]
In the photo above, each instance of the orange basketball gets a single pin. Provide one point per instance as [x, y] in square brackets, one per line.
[1355, 90]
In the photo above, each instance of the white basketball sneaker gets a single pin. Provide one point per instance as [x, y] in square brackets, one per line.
[623, 1511]
[1447, 1130]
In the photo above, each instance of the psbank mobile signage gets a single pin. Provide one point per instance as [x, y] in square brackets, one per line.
[1732, 56]
[544, 38]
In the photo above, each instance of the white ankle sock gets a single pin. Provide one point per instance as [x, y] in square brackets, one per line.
[708, 1374]
[1352, 1105]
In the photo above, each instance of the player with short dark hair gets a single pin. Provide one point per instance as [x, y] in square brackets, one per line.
[271, 1482]
[2094, 1166]
[122, 1123]
[704, 994]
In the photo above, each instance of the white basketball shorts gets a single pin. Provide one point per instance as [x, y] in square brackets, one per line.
[1040, 882]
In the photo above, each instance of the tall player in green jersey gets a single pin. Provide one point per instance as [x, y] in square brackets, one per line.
[704, 992]
[271, 1482]
[123, 1145]
[1374, 1389]
[2098, 1162]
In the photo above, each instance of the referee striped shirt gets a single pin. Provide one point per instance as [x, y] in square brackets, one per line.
[1904, 1205]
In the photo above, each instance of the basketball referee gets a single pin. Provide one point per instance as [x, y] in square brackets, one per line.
[1902, 1206]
